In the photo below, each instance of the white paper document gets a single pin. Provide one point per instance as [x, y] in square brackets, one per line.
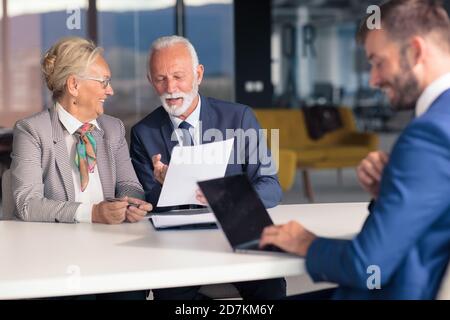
[161, 221]
[189, 165]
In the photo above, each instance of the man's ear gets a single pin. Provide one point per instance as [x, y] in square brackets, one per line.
[417, 51]
[72, 85]
[200, 70]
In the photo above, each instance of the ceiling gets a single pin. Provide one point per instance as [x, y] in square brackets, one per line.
[323, 12]
[338, 4]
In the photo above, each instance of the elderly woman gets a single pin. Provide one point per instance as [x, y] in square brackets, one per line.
[70, 162]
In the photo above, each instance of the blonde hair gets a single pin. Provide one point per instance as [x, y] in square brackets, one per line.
[69, 56]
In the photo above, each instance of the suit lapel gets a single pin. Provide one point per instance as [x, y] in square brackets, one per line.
[210, 120]
[166, 131]
[207, 119]
[61, 155]
[104, 161]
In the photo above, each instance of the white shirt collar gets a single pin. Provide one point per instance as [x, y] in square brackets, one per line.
[193, 119]
[431, 93]
[69, 121]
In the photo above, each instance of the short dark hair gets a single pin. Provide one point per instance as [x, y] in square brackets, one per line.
[403, 19]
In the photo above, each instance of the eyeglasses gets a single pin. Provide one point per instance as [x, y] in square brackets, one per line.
[105, 82]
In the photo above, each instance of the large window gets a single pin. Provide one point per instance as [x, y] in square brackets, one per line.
[126, 30]
[209, 27]
[31, 28]
[316, 61]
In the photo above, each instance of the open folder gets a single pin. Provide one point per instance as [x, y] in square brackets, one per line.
[184, 219]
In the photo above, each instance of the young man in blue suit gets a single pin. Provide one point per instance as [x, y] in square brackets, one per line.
[175, 74]
[405, 241]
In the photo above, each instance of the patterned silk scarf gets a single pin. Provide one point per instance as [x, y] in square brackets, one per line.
[85, 158]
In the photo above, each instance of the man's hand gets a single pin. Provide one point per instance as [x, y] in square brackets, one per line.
[370, 170]
[159, 168]
[291, 237]
[137, 209]
[109, 212]
[201, 197]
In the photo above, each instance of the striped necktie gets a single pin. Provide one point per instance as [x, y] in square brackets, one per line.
[187, 138]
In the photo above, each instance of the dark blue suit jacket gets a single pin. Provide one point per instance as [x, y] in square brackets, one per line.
[152, 135]
[407, 233]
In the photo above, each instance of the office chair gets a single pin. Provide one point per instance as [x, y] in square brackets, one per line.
[8, 206]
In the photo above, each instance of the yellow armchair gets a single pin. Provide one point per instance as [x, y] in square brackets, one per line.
[287, 167]
[344, 147]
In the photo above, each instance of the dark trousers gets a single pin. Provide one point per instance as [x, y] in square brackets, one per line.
[129, 295]
[272, 289]
[325, 294]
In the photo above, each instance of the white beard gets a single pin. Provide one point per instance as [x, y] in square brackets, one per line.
[175, 110]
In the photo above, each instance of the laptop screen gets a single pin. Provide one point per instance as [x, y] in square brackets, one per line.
[237, 207]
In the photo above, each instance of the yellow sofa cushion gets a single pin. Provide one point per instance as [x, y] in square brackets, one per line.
[346, 152]
[340, 148]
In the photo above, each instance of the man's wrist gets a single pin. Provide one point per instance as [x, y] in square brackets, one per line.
[309, 240]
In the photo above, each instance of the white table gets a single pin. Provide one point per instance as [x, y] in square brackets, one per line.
[55, 259]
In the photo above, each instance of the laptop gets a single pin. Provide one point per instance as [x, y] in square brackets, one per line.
[239, 212]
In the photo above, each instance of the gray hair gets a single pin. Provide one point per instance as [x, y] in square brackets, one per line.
[169, 41]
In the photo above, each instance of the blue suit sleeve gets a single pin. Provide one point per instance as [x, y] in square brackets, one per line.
[143, 166]
[258, 164]
[412, 181]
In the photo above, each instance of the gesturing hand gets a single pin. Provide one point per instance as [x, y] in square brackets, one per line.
[159, 168]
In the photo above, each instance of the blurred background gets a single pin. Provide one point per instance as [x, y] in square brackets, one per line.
[268, 54]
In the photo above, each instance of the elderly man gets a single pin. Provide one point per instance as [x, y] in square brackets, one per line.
[175, 74]
[403, 247]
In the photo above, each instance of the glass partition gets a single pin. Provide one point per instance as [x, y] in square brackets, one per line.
[31, 28]
[126, 30]
[209, 26]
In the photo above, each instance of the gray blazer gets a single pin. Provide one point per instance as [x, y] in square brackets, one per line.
[41, 177]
